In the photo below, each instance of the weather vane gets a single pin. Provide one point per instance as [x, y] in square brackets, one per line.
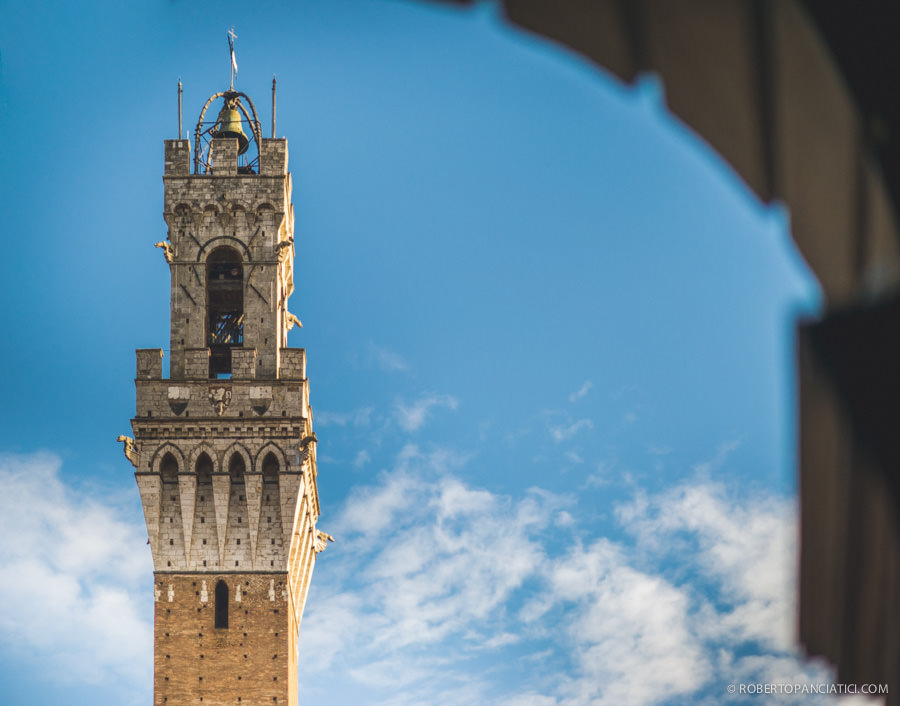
[231, 37]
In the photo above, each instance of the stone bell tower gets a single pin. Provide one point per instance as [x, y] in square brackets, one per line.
[223, 449]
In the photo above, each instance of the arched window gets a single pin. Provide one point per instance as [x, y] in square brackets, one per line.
[224, 308]
[270, 468]
[204, 469]
[221, 604]
[236, 468]
[168, 469]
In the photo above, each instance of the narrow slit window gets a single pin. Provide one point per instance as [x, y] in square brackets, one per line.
[221, 605]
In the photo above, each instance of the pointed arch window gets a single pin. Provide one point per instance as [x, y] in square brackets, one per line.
[221, 605]
[168, 469]
[204, 469]
[236, 468]
[270, 469]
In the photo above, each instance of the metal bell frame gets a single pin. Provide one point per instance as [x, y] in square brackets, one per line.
[203, 133]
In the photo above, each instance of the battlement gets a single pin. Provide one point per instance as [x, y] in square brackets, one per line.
[196, 367]
[242, 395]
[273, 158]
[177, 158]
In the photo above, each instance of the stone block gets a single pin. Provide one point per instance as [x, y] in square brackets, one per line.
[273, 157]
[178, 158]
[224, 156]
[196, 363]
[293, 364]
[243, 363]
[149, 363]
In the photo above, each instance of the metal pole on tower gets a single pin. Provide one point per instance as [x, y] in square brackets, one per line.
[273, 106]
[231, 37]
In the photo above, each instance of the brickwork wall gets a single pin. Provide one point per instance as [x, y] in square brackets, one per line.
[252, 662]
[243, 363]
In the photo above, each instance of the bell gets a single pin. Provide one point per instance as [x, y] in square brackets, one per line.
[228, 124]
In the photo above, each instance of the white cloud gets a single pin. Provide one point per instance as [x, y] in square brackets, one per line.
[412, 417]
[714, 464]
[564, 519]
[445, 560]
[74, 574]
[529, 699]
[563, 433]
[360, 417]
[631, 631]
[581, 391]
[443, 592]
[362, 458]
[748, 547]
[372, 509]
[385, 359]
[602, 476]
[697, 594]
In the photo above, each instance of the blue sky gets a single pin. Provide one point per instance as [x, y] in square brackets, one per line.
[550, 343]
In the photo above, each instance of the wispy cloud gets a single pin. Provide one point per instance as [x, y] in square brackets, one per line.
[632, 630]
[747, 547]
[371, 509]
[385, 359]
[411, 417]
[74, 576]
[581, 391]
[448, 570]
[565, 432]
[359, 417]
[440, 590]
[722, 453]
[601, 476]
[447, 558]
